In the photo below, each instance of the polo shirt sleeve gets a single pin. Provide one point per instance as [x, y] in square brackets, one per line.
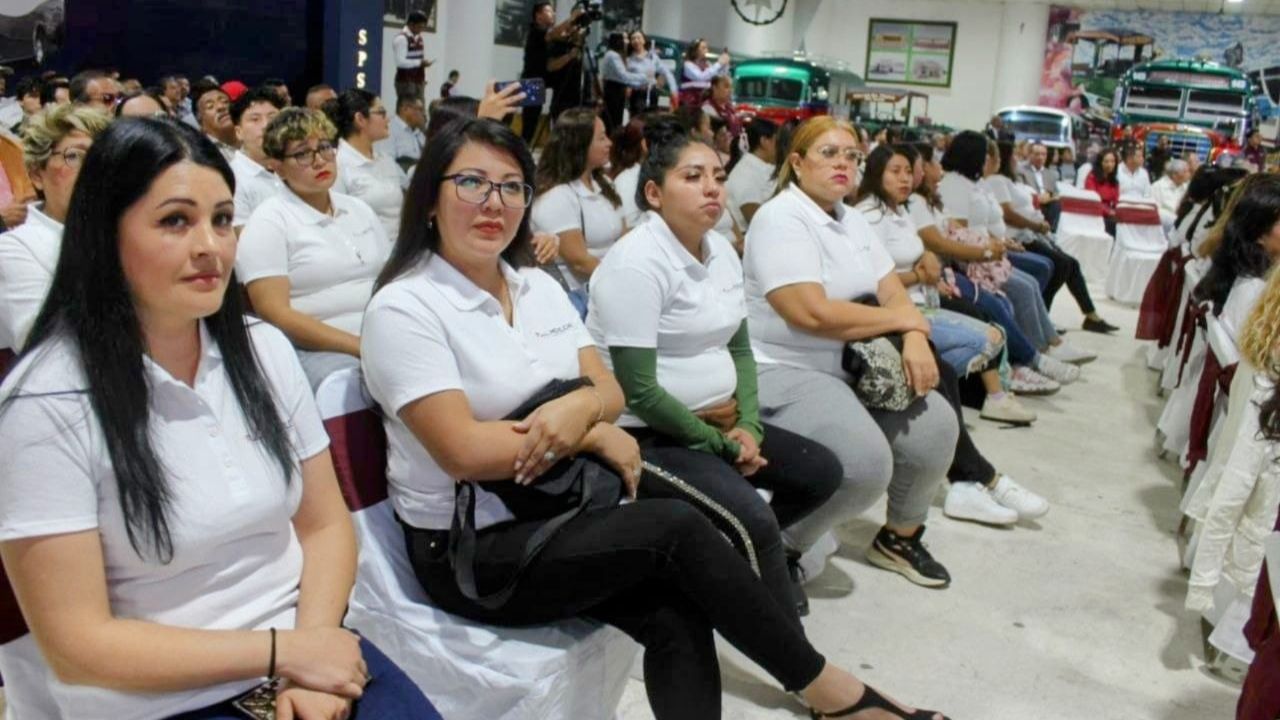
[47, 483]
[297, 401]
[405, 353]
[24, 284]
[999, 188]
[558, 210]
[264, 245]
[781, 251]
[627, 302]
[957, 199]
[244, 203]
[920, 214]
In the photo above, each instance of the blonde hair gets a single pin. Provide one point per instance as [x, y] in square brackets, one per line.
[1213, 236]
[295, 124]
[1260, 344]
[47, 128]
[804, 138]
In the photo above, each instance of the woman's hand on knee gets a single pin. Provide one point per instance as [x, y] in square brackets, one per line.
[749, 460]
[553, 432]
[327, 660]
[919, 364]
[295, 703]
[619, 450]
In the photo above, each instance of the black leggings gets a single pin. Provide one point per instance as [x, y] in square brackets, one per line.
[801, 473]
[1066, 271]
[656, 569]
[615, 102]
[968, 465]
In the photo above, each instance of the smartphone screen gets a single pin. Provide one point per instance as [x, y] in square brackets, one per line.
[534, 89]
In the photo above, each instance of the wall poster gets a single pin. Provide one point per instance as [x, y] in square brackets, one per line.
[910, 52]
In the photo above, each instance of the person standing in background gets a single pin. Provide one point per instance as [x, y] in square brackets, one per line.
[539, 63]
[411, 61]
[446, 90]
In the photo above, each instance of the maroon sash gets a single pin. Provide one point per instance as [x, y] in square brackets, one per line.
[1192, 318]
[1215, 378]
[1083, 206]
[1260, 696]
[1157, 316]
[1137, 215]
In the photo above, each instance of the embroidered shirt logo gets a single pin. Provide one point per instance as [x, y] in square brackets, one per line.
[552, 332]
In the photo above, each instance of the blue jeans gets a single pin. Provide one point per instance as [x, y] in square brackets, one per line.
[1037, 266]
[958, 343]
[389, 694]
[1027, 301]
[1021, 351]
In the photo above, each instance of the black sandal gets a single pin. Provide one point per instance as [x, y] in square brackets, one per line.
[872, 700]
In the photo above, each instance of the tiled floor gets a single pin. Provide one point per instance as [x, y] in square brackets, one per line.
[1078, 616]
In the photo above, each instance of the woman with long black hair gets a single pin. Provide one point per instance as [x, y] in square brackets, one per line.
[459, 335]
[169, 516]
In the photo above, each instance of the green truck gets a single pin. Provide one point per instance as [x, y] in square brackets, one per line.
[1201, 107]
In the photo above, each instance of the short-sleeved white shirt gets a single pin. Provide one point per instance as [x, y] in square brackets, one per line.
[964, 199]
[750, 183]
[792, 241]
[236, 559]
[1133, 185]
[651, 293]
[923, 216]
[28, 256]
[331, 260]
[899, 236]
[625, 184]
[568, 207]
[379, 182]
[433, 330]
[254, 185]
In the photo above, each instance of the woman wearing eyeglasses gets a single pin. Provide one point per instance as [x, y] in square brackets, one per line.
[54, 144]
[364, 172]
[808, 260]
[458, 336]
[308, 256]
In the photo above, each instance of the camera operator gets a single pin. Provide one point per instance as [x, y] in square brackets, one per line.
[554, 53]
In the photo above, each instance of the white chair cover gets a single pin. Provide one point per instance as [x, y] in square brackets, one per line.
[1134, 258]
[568, 670]
[1084, 236]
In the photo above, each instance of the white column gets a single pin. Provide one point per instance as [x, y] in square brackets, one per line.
[743, 37]
[1020, 58]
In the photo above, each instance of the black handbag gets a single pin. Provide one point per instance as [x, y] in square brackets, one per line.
[569, 488]
[875, 369]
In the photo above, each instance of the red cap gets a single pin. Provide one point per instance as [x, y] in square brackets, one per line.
[234, 89]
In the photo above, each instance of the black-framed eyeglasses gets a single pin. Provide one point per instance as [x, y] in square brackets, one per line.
[325, 150]
[475, 190]
[71, 157]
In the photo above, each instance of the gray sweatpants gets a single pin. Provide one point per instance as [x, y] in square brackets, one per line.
[906, 452]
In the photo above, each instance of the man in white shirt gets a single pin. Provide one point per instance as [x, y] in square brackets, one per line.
[1044, 180]
[254, 182]
[408, 132]
[213, 112]
[1168, 190]
[411, 62]
[1135, 183]
[751, 182]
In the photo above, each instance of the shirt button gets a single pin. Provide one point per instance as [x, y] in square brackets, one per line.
[227, 461]
[213, 431]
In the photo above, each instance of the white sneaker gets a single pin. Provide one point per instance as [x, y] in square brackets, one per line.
[1025, 381]
[1056, 370]
[1068, 354]
[971, 501]
[1013, 496]
[1006, 410]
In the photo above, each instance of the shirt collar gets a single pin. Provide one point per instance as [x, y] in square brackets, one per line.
[346, 152]
[464, 294]
[242, 160]
[210, 360]
[36, 216]
[810, 208]
[304, 213]
[675, 252]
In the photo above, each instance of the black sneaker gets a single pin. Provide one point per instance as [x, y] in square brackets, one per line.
[797, 583]
[909, 557]
[1099, 326]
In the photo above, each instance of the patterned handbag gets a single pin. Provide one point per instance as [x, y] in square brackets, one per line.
[876, 373]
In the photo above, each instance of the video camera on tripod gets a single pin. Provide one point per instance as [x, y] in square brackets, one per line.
[592, 11]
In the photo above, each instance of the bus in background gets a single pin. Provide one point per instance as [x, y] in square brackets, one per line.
[1048, 126]
[1201, 107]
[792, 86]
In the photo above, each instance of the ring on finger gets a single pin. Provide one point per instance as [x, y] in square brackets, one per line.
[549, 456]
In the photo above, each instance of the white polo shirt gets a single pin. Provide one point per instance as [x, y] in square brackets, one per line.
[923, 216]
[1133, 185]
[651, 293]
[254, 185]
[899, 236]
[433, 330]
[625, 184]
[28, 256]
[750, 183]
[572, 206]
[379, 182]
[236, 559]
[964, 199]
[331, 261]
[793, 241]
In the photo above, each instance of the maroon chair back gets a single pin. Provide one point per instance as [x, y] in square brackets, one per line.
[358, 444]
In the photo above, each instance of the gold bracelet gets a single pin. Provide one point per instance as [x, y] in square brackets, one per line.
[600, 401]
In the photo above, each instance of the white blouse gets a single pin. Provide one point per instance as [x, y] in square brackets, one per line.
[433, 330]
[793, 241]
[573, 206]
[254, 185]
[898, 233]
[28, 256]
[651, 293]
[236, 559]
[331, 260]
[379, 182]
[964, 199]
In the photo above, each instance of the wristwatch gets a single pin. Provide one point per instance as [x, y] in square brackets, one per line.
[987, 254]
